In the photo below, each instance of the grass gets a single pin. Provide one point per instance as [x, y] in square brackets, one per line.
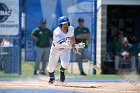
[13, 76]
[28, 69]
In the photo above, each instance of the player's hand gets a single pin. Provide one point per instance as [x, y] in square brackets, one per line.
[125, 53]
[80, 45]
[75, 50]
[81, 36]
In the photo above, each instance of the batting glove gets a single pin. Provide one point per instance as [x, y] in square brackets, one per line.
[80, 45]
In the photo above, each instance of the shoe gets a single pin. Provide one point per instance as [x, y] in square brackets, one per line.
[36, 73]
[43, 73]
[51, 81]
[62, 76]
[83, 73]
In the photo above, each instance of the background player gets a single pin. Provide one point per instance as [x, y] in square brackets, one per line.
[63, 37]
[41, 36]
[82, 34]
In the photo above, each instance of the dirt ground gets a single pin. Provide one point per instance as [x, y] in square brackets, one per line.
[96, 87]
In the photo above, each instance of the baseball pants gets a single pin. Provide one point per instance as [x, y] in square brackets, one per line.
[84, 55]
[132, 60]
[42, 54]
[55, 54]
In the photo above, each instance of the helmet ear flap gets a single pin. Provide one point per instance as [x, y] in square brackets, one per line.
[60, 25]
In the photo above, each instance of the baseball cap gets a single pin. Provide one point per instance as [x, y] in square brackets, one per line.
[80, 20]
[43, 21]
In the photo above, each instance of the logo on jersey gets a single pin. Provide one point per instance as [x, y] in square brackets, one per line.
[4, 12]
[68, 40]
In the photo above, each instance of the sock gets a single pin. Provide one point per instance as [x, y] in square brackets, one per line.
[51, 74]
[62, 69]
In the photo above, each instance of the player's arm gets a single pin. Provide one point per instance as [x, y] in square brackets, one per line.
[82, 36]
[33, 35]
[59, 42]
[73, 42]
[88, 36]
[62, 44]
[88, 39]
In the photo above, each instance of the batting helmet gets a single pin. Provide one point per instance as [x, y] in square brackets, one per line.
[63, 20]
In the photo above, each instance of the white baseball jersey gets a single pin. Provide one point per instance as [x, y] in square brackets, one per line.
[59, 36]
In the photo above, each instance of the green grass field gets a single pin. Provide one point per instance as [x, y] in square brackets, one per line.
[28, 69]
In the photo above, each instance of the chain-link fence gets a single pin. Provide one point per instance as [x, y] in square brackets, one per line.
[9, 55]
[73, 9]
[10, 37]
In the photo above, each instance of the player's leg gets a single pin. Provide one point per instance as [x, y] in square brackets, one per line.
[65, 58]
[45, 60]
[86, 54]
[53, 58]
[139, 64]
[133, 63]
[39, 53]
[117, 60]
[79, 60]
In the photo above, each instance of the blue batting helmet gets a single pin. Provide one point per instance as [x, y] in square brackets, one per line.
[63, 20]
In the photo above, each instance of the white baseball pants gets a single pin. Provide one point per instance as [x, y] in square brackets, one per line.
[55, 54]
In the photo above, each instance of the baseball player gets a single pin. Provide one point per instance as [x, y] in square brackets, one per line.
[41, 36]
[82, 34]
[63, 41]
[124, 52]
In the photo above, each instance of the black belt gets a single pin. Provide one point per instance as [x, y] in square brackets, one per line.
[58, 48]
[53, 44]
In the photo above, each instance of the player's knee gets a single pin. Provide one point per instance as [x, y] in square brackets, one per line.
[65, 66]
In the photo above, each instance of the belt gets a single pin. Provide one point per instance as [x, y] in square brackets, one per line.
[53, 44]
[58, 48]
